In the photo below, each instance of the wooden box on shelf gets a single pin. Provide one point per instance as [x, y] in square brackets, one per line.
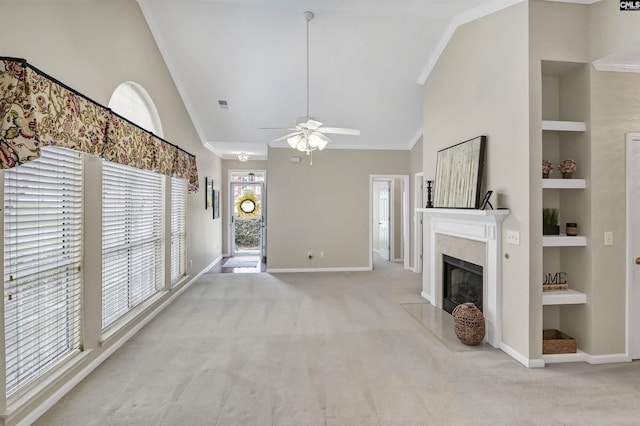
[556, 342]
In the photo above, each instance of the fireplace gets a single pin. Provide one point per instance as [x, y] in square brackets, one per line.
[461, 283]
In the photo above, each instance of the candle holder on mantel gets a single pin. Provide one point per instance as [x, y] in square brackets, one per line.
[429, 188]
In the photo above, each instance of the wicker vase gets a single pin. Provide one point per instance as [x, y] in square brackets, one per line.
[469, 324]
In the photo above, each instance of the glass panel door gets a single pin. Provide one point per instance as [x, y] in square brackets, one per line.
[247, 218]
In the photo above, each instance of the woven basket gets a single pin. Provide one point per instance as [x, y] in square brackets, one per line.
[556, 342]
[469, 324]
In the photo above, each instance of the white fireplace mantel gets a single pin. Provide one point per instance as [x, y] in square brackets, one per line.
[478, 225]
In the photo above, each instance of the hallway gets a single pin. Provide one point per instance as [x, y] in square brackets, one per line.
[328, 349]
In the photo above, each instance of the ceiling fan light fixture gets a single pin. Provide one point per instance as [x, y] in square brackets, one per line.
[243, 157]
[318, 141]
[294, 140]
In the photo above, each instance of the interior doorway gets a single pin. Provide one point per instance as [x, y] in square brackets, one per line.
[397, 223]
[633, 246]
[247, 214]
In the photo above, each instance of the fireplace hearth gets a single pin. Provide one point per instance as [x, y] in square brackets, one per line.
[461, 283]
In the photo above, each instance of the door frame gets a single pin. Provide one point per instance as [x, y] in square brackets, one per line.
[229, 225]
[632, 345]
[404, 213]
[418, 201]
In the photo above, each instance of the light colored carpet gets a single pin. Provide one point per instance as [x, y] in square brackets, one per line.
[329, 349]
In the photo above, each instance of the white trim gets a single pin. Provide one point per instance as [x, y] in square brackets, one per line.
[292, 270]
[70, 384]
[475, 13]
[477, 225]
[418, 228]
[574, 1]
[608, 359]
[529, 363]
[578, 356]
[601, 65]
[427, 297]
[632, 147]
[404, 214]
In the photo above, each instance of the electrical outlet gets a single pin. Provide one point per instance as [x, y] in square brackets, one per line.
[321, 254]
[513, 237]
[608, 238]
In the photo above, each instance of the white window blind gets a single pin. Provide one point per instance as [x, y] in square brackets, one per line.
[178, 228]
[132, 202]
[42, 259]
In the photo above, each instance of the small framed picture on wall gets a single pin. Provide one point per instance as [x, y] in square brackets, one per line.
[216, 203]
[208, 192]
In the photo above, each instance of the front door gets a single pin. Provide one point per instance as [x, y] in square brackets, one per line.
[384, 219]
[247, 218]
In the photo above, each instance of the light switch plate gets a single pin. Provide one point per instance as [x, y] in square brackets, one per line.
[513, 237]
[608, 238]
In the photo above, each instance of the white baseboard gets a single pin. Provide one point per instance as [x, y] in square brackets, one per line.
[289, 270]
[608, 359]
[529, 363]
[71, 383]
[428, 297]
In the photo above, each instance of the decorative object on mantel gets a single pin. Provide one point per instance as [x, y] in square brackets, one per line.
[37, 110]
[554, 282]
[429, 196]
[486, 202]
[469, 323]
[550, 222]
[572, 229]
[556, 342]
[459, 172]
[567, 168]
[547, 167]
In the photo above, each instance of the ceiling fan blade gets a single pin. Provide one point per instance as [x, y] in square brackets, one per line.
[339, 131]
[286, 136]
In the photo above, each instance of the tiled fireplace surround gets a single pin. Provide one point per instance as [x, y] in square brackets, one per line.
[474, 236]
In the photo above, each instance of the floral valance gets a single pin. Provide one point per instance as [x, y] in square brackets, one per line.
[36, 111]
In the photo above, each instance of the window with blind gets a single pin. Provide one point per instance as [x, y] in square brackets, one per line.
[132, 201]
[42, 259]
[178, 228]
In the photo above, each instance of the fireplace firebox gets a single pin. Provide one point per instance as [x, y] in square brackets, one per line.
[461, 283]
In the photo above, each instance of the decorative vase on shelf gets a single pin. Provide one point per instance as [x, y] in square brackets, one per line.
[567, 167]
[547, 166]
[469, 324]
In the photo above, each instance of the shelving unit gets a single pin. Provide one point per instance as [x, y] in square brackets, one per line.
[564, 241]
[564, 126]
[564, 184]
[564, 136]
[564, 297]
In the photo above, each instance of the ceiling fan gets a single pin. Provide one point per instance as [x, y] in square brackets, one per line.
[309, 133]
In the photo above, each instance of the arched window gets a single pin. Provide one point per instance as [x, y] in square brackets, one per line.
[131, 101]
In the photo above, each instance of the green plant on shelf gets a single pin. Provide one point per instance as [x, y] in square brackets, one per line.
[550, 216]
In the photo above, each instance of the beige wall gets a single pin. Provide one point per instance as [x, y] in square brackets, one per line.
[324, 207]
[615, 99]
[94, 46]
[480, 87]
[610, 29]
[106, 44]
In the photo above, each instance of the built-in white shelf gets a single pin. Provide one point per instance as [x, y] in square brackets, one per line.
[564, 184]
[563, 297]
[563, 241]
[564, 126]
[579, 356]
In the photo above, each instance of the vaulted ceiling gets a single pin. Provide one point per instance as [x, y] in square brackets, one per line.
[367, 59]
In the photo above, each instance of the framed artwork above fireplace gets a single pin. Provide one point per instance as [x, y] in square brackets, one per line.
[459, 172]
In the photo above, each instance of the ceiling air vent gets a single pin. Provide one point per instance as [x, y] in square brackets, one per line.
[223, 104]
